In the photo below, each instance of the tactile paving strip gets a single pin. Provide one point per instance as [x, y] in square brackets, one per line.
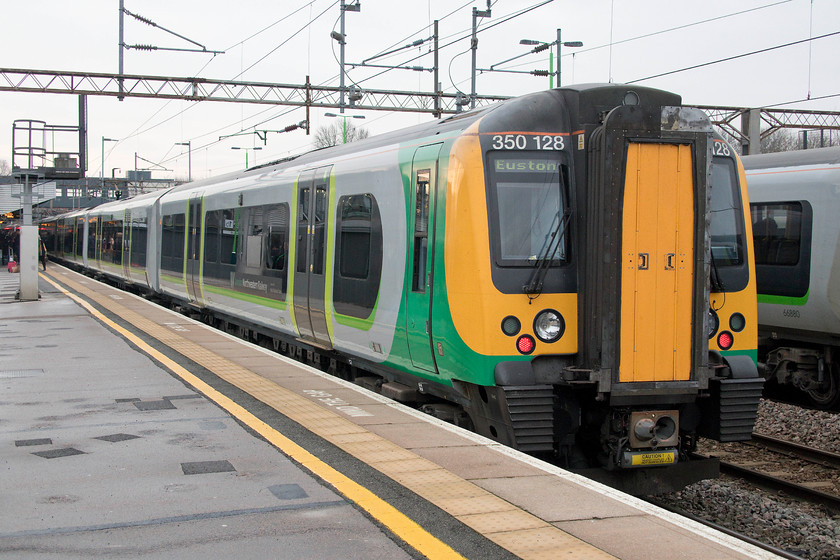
[475, 507]
[13, 373]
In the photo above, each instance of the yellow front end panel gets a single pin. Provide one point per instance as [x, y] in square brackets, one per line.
[477, 307]
[657, 267]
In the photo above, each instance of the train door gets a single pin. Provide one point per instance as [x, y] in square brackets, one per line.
[83, 239]
[95, 248]
[193, 256]
[421, 227]
[657, 276]
[126, 244]
[311, 256]
[78, 240]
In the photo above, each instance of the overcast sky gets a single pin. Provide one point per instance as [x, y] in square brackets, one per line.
[648, 37]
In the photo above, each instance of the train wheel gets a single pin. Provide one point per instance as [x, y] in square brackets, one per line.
[826, 395]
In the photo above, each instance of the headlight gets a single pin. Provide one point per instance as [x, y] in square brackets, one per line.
[714, 322]
[549, 325]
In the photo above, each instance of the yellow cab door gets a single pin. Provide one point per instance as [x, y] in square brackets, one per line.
[657, 263]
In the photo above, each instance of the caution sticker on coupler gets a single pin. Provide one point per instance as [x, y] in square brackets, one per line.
[665, 458]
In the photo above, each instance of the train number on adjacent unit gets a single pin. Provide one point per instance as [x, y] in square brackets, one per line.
[523, 142]
[792, 313]
[721, 149]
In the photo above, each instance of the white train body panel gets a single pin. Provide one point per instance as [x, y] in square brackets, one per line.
[373, 172]
[138, 217]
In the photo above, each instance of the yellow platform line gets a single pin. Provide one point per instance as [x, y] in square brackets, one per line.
[397, 522]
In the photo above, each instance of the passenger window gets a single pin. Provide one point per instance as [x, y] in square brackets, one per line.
[229, 239]
[93, 227]
[360, 250]
[211, 236]
[139, 238]
[354, 232]
[303, 228]
[421, 227]
[254, 240]
[777, 232]
[277, 239]
[782, 244]
[173, 232]
[253, 251]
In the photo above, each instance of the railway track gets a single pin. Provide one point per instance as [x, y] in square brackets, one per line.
[807, 473]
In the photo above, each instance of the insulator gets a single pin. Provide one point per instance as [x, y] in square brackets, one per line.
[539, 72]
[541, 48]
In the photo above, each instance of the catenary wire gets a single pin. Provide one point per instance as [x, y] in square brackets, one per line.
[138, 132]
[663, 31]
[494, 24]
[735, 57]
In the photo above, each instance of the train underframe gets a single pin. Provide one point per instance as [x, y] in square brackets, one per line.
[812, 369]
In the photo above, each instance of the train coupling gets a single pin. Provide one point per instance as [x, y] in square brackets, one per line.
[653, 439]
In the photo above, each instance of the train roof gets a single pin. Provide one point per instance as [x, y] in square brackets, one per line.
[145, 199]
[440, 126]
[798, 158]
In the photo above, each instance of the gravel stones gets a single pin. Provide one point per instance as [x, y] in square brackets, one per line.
[803, 529]
[801, 425]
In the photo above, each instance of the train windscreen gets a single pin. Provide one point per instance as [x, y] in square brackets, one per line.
[726, 214]
[528, 206]
[729, 270]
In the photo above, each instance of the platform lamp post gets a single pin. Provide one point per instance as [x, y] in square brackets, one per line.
[102, 182]
[559, 43]
[246, 153]
[344, 118]
[564, 44]
[189, 158]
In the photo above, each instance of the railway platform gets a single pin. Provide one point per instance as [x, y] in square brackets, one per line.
[129, 430]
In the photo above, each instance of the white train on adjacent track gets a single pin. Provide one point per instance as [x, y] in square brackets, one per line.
[795, 208]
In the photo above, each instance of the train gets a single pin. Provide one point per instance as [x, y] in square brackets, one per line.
[567, 273]
[793, 197]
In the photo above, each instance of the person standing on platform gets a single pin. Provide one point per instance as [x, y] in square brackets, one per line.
[42, 253]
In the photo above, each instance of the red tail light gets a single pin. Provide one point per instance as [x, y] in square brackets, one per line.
[525, 344]
[725, 340]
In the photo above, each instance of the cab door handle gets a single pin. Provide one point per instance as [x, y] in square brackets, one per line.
[669, 261]
[644, 261]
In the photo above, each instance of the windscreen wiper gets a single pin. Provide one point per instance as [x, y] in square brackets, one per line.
[535, 285]
[714, 277]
